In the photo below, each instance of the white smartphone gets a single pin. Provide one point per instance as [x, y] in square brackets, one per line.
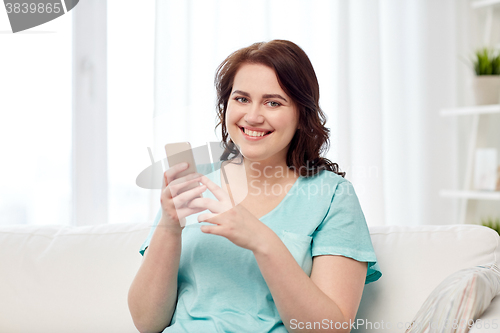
[181, 152]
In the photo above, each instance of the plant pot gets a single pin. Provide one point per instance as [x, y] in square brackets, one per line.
[487, 89]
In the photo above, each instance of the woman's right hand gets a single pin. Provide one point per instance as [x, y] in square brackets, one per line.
[174, 197]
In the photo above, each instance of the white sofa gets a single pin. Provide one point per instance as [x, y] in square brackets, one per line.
[76, 279]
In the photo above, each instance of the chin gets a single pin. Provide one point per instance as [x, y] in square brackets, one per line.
[253, 155]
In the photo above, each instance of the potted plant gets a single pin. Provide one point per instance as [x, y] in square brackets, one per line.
[487, 80]
[493, 224]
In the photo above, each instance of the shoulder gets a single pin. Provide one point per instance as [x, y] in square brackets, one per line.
[326, 176]
[327, 183]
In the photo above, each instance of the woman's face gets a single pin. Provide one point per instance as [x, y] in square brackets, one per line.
[260, 119]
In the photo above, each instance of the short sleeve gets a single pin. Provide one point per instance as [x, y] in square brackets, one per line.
[344, 231]
[153, 228]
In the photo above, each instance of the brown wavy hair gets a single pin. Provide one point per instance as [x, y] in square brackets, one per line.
[297, 78]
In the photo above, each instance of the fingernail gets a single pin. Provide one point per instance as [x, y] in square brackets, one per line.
[184, 165]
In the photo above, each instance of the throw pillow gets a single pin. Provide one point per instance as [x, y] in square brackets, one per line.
[458, 301]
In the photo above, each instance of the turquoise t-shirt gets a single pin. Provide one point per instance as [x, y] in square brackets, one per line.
[220, 286]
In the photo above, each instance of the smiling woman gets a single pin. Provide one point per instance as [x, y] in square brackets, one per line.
[254, 114]
[301, 253]
[286, 71]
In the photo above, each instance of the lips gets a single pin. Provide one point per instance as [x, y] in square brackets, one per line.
[255, 130]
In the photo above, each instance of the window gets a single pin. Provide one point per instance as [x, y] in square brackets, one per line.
[35, 123]
[131, 33]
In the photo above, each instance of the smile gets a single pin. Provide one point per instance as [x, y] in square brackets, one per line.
[254, 135]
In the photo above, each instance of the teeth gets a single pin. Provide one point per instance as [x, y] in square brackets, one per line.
[254, 133]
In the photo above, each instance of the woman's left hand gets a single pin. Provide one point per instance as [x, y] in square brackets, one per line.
[235, 223]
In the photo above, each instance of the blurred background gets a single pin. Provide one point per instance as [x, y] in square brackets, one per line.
[82, 98]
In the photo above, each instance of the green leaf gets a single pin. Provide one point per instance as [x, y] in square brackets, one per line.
[486, 62]
[492, 223]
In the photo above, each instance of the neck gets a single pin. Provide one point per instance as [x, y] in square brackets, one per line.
[273, 172]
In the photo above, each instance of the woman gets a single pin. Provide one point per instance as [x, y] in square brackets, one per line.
[290, 250]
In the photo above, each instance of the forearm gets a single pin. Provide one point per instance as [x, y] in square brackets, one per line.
[296, 296]
[153, 294]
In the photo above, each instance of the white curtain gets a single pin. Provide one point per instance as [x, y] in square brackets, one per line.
[385, 69]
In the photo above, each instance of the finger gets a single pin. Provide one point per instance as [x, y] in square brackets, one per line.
[165, 190]
[210, 229]
[169, 193]
[171, 173]
[164, 181]
[186, 211]
[185, 178]
[206, 203]
[218, 192]
[183, 199]
[207, 217]
[177, 189]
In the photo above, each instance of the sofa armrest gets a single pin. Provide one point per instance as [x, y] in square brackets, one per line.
[490, 320]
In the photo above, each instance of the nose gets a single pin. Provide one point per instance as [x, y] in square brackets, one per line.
[254, 115]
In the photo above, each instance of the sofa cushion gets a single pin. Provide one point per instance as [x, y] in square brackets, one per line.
[415, 260]
[68, 279]
[458, 301]
[76, 279]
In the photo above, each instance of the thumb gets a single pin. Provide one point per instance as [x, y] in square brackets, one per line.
[164, 181]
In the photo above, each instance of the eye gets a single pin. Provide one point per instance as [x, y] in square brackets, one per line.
[241, 99]
[273, 104]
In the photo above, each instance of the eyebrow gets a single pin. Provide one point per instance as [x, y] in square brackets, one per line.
[263, 96]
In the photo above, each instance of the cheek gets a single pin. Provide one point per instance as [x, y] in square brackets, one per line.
[284, 122]
[295, 121]
[232, 115]
[229, 118]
